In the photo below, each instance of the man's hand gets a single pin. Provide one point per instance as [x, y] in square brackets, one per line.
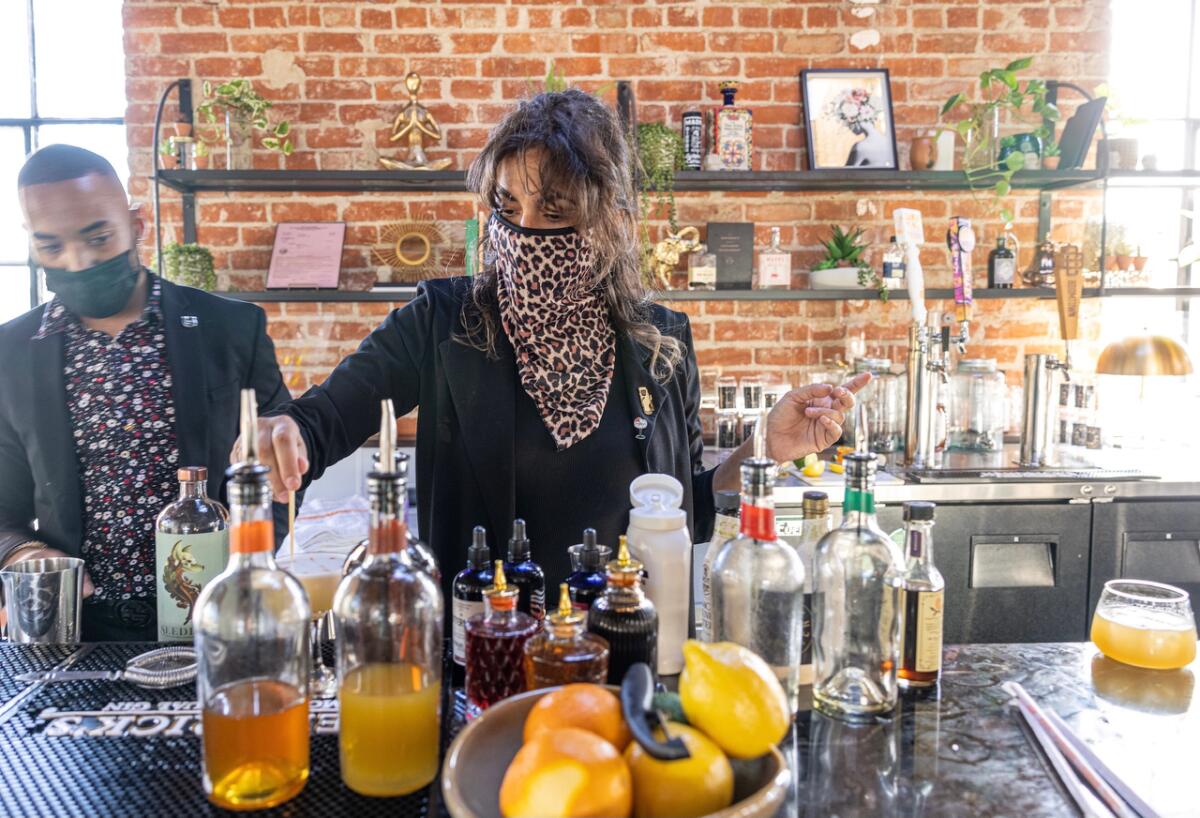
[28, 552]
[281, 448]
[809, 419]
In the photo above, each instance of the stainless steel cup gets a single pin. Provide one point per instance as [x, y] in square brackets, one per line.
[43, 599]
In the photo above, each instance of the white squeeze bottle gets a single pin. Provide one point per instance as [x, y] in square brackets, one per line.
[659, 539]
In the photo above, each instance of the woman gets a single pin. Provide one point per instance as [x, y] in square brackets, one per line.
[548, 382]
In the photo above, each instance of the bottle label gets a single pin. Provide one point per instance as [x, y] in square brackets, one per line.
[758, 522]
[462, 610]
[1005, 271]
[703, 274]
[183, 565]
[893, 269]
[537, 604]
[863, 501]
[774, 270]
[926, 630]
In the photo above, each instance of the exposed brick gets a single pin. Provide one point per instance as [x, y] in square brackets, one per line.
[192, 43]
[327, 42]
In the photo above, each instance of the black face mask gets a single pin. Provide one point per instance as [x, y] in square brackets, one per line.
[99, 291]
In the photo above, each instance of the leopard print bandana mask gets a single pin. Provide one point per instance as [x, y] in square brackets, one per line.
[557, 324]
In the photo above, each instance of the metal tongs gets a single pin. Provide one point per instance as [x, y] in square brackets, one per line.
[157, 669]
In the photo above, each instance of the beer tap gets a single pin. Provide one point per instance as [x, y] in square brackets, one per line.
[960, 238]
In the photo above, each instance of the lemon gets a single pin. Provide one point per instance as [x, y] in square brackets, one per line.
[813, 468]
[685, 788]
[837, 468]
[731, 694]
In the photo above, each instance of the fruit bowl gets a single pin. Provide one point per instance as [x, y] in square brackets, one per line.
[480, 755]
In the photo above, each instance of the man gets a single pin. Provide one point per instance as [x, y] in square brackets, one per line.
[109, 388]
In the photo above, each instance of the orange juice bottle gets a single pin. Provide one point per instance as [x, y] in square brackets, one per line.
[389, 648]
[251, 635]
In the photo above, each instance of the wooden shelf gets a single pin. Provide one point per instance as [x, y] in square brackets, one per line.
[454, 181]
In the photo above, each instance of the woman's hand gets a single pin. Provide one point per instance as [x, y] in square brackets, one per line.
[281, 448]
[810, 419]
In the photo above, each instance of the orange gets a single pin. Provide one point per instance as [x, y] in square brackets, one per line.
[686, 788]
[567, 773]
[586, 706]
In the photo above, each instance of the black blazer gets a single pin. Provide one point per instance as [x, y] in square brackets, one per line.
[215, 347]
[466, 444]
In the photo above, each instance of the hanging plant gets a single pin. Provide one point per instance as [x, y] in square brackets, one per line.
[190, 265]
[1003, 91]
[660, 154]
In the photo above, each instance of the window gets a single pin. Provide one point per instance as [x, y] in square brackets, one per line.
[63, 65]
[1157, 102]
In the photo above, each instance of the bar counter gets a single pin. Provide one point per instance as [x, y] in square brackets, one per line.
[111, 748]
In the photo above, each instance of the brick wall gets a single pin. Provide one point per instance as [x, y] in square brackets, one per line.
[335, 69]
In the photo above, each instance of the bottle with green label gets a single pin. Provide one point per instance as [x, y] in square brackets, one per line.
[191, 546]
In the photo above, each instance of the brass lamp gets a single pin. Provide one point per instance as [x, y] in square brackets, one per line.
[1144, 355]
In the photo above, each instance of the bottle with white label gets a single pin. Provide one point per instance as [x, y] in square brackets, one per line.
[658, 538]
[923, 600]
[725, 528]
[702, 269]
[774, 266]
[191, 546]
[893, 265]
[469, 585]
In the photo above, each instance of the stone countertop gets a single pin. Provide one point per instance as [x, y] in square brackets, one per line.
[963, 750]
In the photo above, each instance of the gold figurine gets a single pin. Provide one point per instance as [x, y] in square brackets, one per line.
[415, 123]
[665, 255]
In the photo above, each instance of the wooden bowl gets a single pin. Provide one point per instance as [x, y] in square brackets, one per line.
[480, 755]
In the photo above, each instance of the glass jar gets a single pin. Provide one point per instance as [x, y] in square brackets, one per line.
[727, 389]
[883, 403]
[728, 431]
[978, 404]
[752, 393]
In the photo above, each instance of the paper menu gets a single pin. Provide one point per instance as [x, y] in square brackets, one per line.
[306, 255]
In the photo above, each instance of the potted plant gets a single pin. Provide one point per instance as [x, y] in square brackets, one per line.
[980, 129]
[201, 157]
[1051, 154]
[844, 250]
[166, 153]
[1139, 261]
[660, 154]
[245, 111]
[190, 265]
[1123, 253]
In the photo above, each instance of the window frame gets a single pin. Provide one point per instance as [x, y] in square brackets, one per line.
[30, 126]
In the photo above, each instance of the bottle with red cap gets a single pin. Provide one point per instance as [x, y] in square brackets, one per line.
[758, 580]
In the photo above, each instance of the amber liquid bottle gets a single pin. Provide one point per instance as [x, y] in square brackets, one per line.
[564, 653]
[496, 645]
[624, 617]
[923, 596]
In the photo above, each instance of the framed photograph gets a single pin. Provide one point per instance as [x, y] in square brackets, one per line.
[306, 255]
[848, 118]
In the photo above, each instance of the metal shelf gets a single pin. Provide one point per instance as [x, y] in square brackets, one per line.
[407, 293]
[454, 181]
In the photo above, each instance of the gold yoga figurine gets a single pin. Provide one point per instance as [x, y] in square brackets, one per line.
[414, 123]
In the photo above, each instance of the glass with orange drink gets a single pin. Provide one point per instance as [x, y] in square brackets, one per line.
[1145, 624]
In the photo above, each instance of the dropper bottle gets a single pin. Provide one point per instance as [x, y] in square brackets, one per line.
[587, 580]
[469, 585]
[526, 574]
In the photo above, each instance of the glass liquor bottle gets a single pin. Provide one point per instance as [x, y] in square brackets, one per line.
[388, 616]
[625, 617]
[856, 605]
[526, 574]
[191, 546]
[733, 139]
[702, 269]
[416, 552]
[774, 266]
[251, 637]
[469, 585]
[923, 596]
[894, 266]
[815, 523]
[725, 527]
[564, 653]
[758, 581]
[496, 645]
[1002, 265]
[587, 580]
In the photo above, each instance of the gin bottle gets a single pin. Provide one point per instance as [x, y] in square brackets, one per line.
[815, 524]
[758, 581]
[191, 546]
[856, 605]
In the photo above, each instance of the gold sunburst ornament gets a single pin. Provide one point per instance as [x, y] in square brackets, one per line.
[410, 249]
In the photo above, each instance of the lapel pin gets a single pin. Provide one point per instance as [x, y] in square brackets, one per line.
[640, 424]
[647, 400]
[189, 321]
